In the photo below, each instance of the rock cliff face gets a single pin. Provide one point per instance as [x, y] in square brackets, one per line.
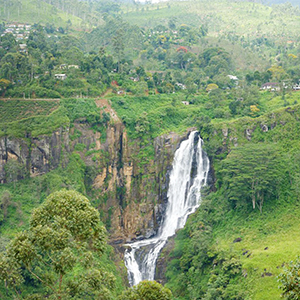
[133, 194]
[36, 156]
[129, 189]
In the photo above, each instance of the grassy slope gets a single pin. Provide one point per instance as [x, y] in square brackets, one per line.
[35, 11]
[35, 125]
[276, 230]
[221, 16]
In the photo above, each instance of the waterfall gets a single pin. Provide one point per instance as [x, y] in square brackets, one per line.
[189, 174]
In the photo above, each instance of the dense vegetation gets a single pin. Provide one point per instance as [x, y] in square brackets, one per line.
[65, 234]
[242, 237]
[162, 67]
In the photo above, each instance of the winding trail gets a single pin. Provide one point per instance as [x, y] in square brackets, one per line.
[103, 103]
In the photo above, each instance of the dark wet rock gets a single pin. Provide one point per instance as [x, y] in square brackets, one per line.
[237, 240]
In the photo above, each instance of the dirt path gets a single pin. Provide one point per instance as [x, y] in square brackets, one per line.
[103, 103]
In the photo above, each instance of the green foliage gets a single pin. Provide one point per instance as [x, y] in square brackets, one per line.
[65, 234]
[209, 47]
[77, 134]
[205, 263]
[26, 117]
[147, 290]
[198, 268]
[29, 193]
[152, 115]
[36, 125]
[252, 173]
[33, 91]
[14, 170]
[13, 110]
[79, 147]
[81, 108]
[289, 280]
[4, 204]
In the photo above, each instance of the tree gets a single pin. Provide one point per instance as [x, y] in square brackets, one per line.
[8, 42]
[142, 125]
[14, 170]
[203, 123]
[252, 173]
[118, 46]
[211, 86]
[147, 290]
[4, 83]
[278, 73]
[5, 201]
[289, 279]
[140, 88]
[191, 87]
[59, 253]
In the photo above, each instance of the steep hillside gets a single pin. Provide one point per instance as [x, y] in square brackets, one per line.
[124, 176]
[229, 249]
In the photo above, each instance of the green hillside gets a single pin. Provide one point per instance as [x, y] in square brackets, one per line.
[229, 69]
[28, 11]
[248, 19]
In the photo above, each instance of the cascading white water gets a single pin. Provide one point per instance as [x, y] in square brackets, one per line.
[189, 174]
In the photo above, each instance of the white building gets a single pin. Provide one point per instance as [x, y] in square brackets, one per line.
[60, 76]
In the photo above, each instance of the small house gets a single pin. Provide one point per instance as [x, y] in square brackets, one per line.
[23, 48]
[234, 79]
[271, 86]
[296, 87]
[73, 66]
[20, 36]
[60, 76]
[180, 85]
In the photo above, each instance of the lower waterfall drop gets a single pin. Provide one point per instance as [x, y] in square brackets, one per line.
[188, 175]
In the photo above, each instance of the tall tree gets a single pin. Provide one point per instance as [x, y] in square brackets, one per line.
[118, 46]
[252, 173]
[59, 253]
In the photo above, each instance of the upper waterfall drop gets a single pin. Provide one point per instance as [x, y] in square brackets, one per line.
[189, 174]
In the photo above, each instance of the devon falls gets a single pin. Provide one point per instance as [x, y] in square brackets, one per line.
[188, 175]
